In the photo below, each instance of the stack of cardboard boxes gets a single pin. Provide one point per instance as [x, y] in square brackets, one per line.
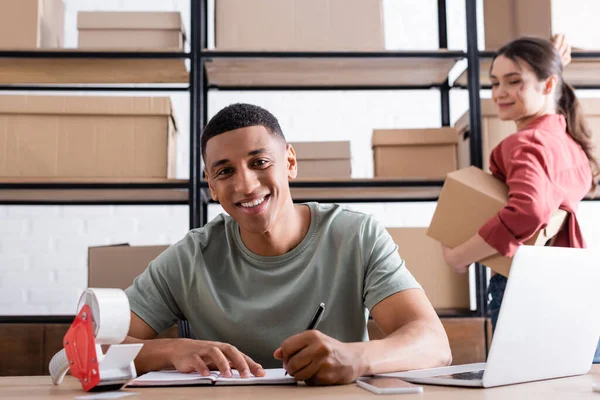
[323, 159]
[83, 137]
[414, 153]
[300, 25]
[152, 31]
[505, 20]
[31, 24]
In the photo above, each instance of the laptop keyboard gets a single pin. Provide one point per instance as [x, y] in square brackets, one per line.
[465, 376]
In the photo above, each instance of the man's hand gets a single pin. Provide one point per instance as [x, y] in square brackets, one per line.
[318, 359]
[188, 355]
[564, 48]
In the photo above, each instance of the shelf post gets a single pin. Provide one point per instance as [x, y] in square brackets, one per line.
[473, 86]
[198, 30]
[443, 44]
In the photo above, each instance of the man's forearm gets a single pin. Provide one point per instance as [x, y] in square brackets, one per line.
[154, 355]
[414, 346]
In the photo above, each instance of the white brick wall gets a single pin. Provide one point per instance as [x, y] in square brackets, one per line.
[43, 250]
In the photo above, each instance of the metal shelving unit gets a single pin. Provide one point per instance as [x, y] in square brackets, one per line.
[210, 70]
[220, 70]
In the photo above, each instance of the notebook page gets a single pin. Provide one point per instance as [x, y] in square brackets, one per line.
[172, 377]
[274, 376]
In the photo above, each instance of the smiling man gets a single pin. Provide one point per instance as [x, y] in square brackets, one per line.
[249, 283]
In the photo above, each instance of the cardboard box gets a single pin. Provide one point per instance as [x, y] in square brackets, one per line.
[591, 110]
[31, 24]
[299, 25]
[117, 266]
[130, 30]
[323, 159]
[414, 153]
[494, 130]
[505, 20]
[423, 256]
[87, 137]
[469, 198]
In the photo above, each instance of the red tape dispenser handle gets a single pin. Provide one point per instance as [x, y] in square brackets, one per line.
[80, 346]
[103, 319]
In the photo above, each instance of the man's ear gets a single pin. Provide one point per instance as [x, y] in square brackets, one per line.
[213, 192]
[551, 84]
[292, 162]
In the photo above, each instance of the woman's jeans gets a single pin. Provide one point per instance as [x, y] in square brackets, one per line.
[496, 294]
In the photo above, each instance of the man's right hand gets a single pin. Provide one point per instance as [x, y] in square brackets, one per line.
[188, 355]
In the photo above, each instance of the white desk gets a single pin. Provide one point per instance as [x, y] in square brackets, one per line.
[575, 388]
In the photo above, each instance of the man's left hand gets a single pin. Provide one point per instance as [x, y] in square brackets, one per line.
[318, 359]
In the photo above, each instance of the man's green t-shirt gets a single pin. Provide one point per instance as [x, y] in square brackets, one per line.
[229, 294]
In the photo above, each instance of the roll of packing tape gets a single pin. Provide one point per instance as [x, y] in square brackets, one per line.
[111, 314]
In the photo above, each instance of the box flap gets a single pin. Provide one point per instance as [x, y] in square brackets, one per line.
[481, 181]
[407, 137]
[168, 20]
[322, 150]
[85, 105]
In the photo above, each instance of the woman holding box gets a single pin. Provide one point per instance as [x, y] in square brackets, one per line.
[547, 164]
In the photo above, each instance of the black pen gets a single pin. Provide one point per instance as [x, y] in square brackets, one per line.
[314, 322]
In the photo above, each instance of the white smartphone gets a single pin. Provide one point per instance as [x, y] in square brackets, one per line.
[388, 386]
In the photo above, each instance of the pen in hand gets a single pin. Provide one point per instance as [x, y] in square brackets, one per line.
[314, 322]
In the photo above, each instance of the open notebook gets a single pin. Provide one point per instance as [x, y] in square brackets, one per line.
[174, 378]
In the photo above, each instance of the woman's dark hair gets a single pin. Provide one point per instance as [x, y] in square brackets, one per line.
[543, 58]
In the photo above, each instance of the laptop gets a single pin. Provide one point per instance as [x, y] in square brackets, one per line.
[548, 326]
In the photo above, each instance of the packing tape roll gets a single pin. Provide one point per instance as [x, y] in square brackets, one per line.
[111, 314]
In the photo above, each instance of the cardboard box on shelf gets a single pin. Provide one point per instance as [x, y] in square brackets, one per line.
[423, 256]
[505, 20]
[82, 137]
[31, 24]
[299, 25]
[469, 198]
[117, 266]
[414, 153]
[591, 111]
[323, 159]
[494, 130]
[130, 30]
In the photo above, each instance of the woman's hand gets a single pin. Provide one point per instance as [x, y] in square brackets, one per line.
[564, 48]
[452, 259]
[465, 254]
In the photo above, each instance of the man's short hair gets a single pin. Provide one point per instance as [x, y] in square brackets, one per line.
[236, 116]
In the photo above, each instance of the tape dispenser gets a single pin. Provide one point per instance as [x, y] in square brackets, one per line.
[103, 318]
